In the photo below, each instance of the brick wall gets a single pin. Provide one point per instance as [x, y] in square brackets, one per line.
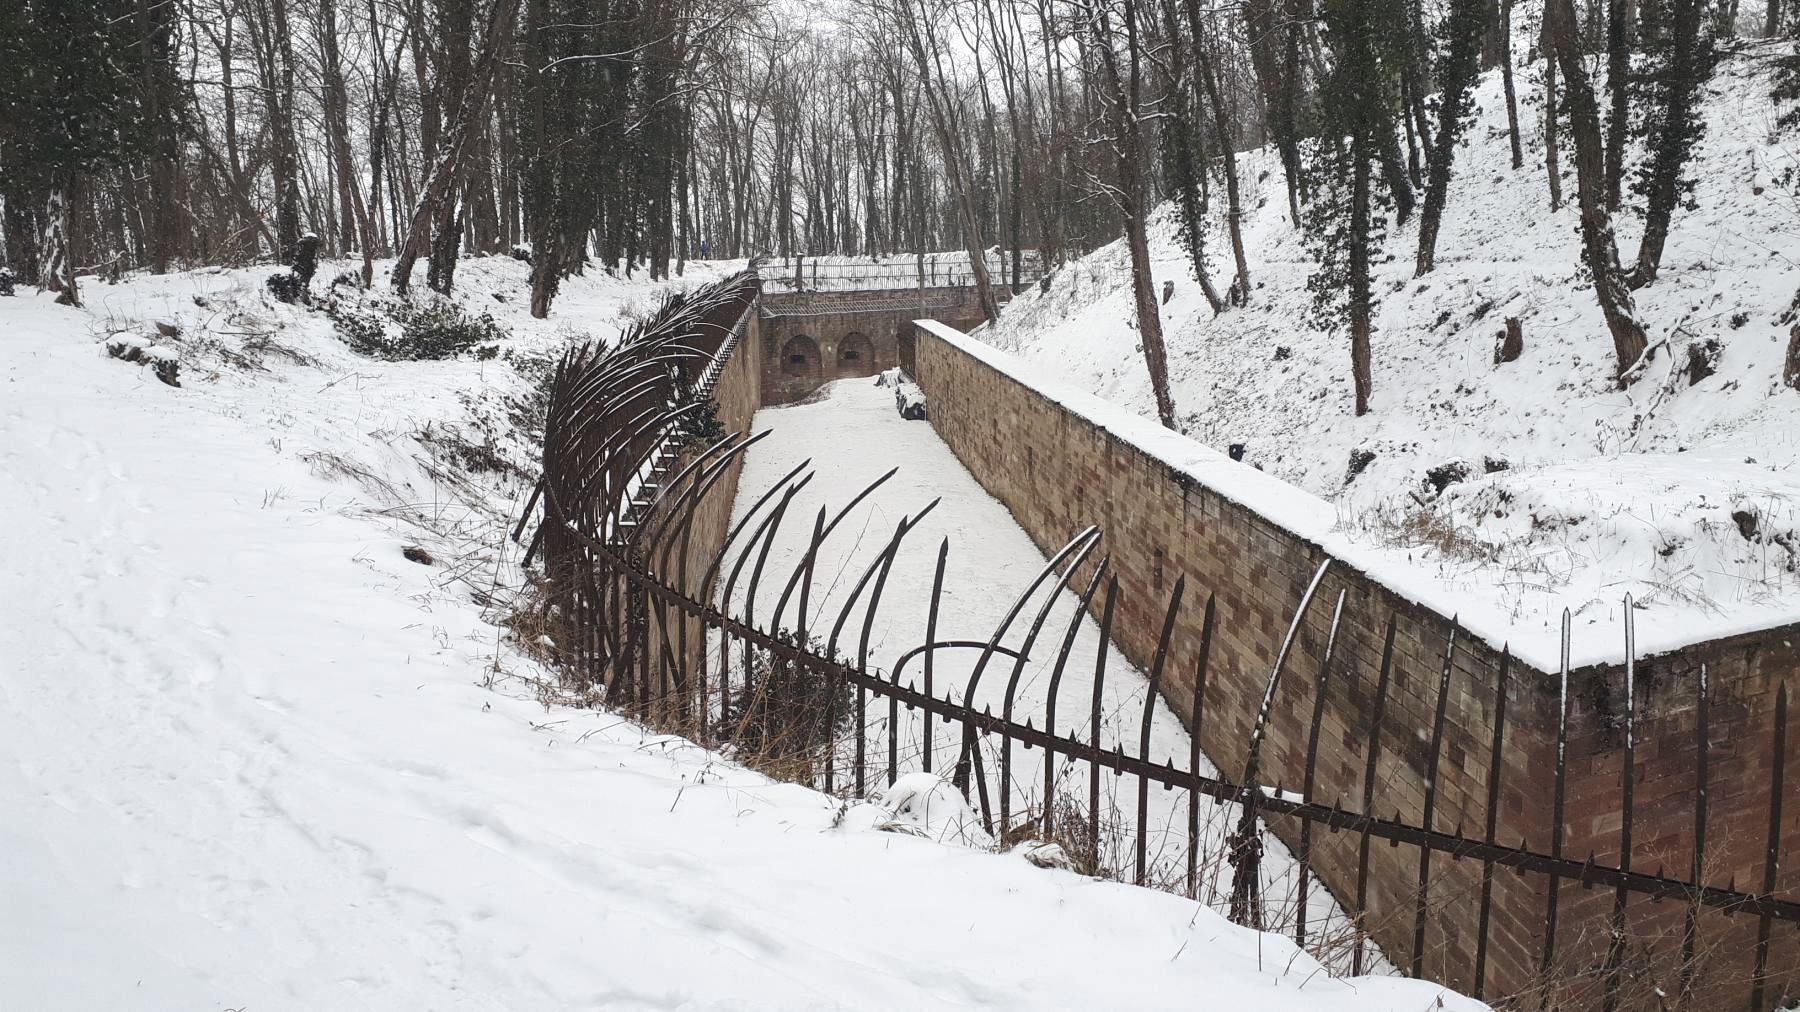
[737, 395]
[822, 341]
[1058, 471]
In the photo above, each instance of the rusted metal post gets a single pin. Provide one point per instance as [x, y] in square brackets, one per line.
[1689, 924]
[1368, 795]
[931, 620]
[1493, 814]
[1156, 670]
[1198, 709]
[1106, 620]
[1422, 903]
[1304, 855]
[1556, 803]
[1615, 950]
[1772, 861]
[1062, 661]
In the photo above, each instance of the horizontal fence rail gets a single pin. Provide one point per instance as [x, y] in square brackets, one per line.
[643, 601]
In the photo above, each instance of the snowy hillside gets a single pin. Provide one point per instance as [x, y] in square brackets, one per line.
[262, 746]
[1680, 490]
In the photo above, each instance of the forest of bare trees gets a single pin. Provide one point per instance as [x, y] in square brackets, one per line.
[634, 135]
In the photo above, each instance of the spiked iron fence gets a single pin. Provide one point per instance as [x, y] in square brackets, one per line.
[646, 604]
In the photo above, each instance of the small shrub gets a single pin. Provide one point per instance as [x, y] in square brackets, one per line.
[787, 715]
[7, 281]
[398, 329]
[286, 286]
[1444, 475]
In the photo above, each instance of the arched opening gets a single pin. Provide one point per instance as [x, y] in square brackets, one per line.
[800, 357]
[856, 355]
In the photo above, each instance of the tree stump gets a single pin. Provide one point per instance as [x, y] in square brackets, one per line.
[1511, 341]
[1790, 368]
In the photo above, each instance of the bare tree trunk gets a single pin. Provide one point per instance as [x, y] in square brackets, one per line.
[1552, 164]
[1675, 128]
[1239, 293]
[56, 270]
[1618, 70]
[1361, 289]
[275, 48]
[1121, 98]
[446, 172]
[956, 167]
[1599, 248]
[1458, 69]
[1506, 82]
[352, 217]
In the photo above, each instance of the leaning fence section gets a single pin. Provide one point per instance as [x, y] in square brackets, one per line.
[646, 599]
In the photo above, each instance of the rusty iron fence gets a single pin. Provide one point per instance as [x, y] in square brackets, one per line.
[648, 617]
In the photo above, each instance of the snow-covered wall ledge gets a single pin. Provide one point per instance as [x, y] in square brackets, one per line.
[1532, 633]
[1062, 459]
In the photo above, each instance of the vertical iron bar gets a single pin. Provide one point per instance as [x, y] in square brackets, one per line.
[1368, 795]
[1150, 691]
[862, 667]
[1246, 843]
[1197, 720]
[937, 594]
[1062, 661]
[1772, 862]
[1690, 925]
[1106, 618]
[1493, 813]
[1304, 856]
[1556, 804]
[1431, 778]
[1615, 951]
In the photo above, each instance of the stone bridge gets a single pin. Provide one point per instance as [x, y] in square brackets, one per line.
[811, 338]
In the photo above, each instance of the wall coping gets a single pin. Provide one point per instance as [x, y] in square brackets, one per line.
[1316, 521]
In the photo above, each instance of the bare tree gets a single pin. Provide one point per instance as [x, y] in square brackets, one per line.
[1599, 249]
[1121, 92]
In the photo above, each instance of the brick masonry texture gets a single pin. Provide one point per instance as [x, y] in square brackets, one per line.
[1059, 472]
[798, 354]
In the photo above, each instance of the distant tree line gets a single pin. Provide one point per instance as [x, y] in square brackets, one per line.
[631, 135]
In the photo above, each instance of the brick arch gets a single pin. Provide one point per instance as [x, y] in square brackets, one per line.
[800, 358]
[856, 355]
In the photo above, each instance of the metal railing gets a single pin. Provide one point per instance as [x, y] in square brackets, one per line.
[650, 621]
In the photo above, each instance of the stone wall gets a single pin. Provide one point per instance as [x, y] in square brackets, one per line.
[811, 339]
[1059, 469]
[737, 396]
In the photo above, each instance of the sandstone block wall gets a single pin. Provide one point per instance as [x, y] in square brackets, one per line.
[1058, 471]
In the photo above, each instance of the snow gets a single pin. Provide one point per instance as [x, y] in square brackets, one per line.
[256, 758]
[850, 434]
[1604, 492]
[890, 271]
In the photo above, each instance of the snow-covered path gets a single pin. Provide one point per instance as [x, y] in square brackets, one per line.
[247, 761]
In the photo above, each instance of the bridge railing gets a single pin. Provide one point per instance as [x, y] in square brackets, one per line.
[934, 270]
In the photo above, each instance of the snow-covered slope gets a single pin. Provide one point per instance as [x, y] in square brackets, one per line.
[1684, 495]
[255, 756]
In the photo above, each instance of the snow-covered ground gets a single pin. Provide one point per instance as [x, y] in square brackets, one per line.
[255, 756]
[1686, 496]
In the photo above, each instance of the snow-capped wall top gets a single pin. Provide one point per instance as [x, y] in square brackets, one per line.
[1482, 594]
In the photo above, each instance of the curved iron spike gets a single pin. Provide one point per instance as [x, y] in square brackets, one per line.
[900, 665]
[683, 508]
[1062, 660]
[1079, 543]
[828, 528]
[712, 571]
